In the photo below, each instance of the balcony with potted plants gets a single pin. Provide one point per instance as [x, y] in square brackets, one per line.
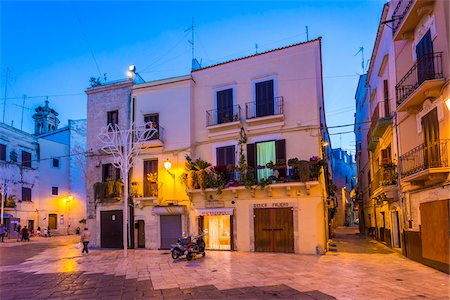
[108, 191]
[292, 178]
[385, 182]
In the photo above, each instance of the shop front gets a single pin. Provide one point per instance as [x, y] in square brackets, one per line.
[217, 224]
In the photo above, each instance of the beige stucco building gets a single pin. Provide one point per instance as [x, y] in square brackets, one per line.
[245, 112]
[407, 85]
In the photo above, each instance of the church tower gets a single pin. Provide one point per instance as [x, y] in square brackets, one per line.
[45, 119]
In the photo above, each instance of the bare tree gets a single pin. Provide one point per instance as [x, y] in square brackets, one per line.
[125, 145]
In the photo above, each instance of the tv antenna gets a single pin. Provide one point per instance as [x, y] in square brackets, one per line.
[256, 48]
[361, 49]
[6, 92]
[191, 41]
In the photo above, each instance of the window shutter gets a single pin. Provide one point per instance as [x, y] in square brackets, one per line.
[220, 157]
[281, 156]
[251, 156]
[230, 157]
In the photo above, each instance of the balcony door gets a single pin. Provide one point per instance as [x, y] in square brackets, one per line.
[264, 96]
[424, 55]
[154, 118]
[151, 178]
[224, 106]
[430, 130]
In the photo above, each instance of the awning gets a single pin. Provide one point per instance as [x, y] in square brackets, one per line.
[167, 210]
[214, 211]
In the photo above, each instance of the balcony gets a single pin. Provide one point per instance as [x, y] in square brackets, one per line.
[385, 182]
[223, 119]
[407, 15]
[108, 191]
[381, 119]
[372, 142]
[427, 162]
[157, 140]
[265, 111]
[423, 80]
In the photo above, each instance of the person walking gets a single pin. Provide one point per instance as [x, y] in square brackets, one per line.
[25, 234]
[85, 238]
[18, 229]
[2, 232]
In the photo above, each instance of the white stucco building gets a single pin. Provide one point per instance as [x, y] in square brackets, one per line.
[44, 173]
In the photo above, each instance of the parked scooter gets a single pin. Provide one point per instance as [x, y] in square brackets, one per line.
[189, 247]
[181, 247]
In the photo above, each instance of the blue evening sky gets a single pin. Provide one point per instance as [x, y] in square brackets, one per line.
[47, 46]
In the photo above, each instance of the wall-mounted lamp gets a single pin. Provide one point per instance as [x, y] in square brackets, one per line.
[447, 102]
[70, 198]
[324, 144]
[167, 165]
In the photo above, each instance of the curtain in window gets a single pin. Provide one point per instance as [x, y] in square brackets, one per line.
[265, 153]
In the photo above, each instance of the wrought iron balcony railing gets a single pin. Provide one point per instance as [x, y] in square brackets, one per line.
[400, 12]
[386, 175]
[425, 156]
[262, 108]
[224, 115]
[145, 188]
[381, 118]
[427, 67]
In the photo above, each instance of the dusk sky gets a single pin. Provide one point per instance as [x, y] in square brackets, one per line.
[49, 47]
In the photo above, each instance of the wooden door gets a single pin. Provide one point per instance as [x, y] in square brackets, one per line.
[224, 106]
[52, 221]
[430, 130]
[150, 178]
[170, 230]
[434, 219]
[274, 230]
[111, 229]
[141, 234]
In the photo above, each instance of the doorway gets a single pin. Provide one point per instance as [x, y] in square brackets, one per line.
[170, 230]
[395, 230]
[52, 221]
[141, 234]
[111, 229]
[31, 225]
[218, 234]
[274, 230]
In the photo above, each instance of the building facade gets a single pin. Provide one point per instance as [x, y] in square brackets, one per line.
[43, 174]
[226, 159]
[344, 177]
[408, 139]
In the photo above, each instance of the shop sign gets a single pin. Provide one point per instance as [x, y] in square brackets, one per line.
[211, 204]
[271, 205]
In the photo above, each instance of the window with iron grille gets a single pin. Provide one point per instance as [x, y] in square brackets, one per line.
[26, 194]
[26, 159]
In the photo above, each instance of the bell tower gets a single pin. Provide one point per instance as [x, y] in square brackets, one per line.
[45, 119]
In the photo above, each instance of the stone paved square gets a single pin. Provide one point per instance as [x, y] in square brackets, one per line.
[55, 269]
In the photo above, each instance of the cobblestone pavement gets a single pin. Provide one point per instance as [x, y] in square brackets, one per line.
[360, 269]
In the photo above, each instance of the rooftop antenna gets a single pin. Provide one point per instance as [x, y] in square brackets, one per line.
[6, 93]
[23, 107]
[307, 34]
[191, 41]
[256, 48]
[361, 49]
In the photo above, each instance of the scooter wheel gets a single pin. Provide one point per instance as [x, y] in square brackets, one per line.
[189, 257]
[175, 254]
